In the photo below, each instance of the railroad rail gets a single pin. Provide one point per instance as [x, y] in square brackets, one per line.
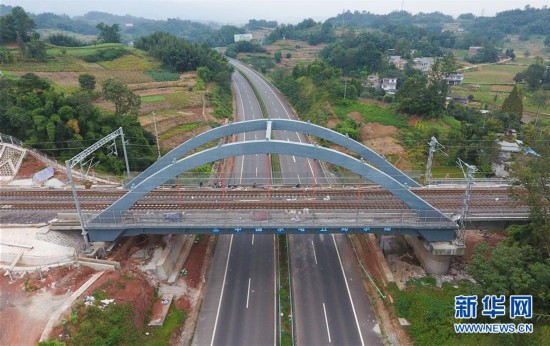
[483, 200]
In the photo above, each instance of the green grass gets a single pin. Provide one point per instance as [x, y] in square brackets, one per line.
[182, 128]
[370, 113]
[161, 336]
[152, 98]
[452, 122]
[447, 172]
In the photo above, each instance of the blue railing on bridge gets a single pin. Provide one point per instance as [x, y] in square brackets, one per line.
[228, 218]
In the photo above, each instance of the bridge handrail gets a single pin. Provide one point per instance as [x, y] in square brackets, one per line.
[265, 217]
[477, 181]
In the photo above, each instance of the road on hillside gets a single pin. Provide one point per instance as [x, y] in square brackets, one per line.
[330, 303]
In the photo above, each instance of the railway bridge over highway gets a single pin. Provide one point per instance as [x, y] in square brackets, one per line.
[407, 212]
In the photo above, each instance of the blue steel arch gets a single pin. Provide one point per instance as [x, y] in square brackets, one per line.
[270, 147]
[269, 125]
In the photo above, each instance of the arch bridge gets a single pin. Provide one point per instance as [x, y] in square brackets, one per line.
[420, 219]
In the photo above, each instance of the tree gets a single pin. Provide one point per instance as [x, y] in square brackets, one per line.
[36, 49]
[87, 82]
[533, 173]
[108, 34]
[126, 102]
[513, 103]
[426, 96]
[278, 56]
[17, 26]
[23, 26]
[534, 76]
[510, 53]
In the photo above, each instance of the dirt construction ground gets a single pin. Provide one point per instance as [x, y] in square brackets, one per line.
[27, 303]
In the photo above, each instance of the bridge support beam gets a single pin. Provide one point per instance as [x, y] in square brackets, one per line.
[434, 256]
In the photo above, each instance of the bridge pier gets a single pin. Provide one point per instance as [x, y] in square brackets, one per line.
[434, 256]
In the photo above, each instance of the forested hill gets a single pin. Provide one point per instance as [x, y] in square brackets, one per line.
[525, 22]
[522, 22]
[212, 34]
[365, 20]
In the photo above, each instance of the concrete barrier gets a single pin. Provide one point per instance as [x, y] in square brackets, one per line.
[98, 263]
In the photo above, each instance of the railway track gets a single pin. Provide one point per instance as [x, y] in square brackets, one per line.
[447, 200]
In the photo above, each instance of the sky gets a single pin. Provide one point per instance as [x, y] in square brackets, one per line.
[283, 11]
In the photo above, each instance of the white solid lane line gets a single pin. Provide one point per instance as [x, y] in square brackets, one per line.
[252, 239]
[314, 254]
[349, 293]
[326, 321]
[248, 294]
[221, 294]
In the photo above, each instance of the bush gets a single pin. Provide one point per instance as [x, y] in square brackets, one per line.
[389, 98]
[106, 55]
[112, 326]
[65, 41]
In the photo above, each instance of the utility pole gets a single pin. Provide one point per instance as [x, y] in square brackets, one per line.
[71, 163]
[345, 87]
[469, 175]
[156, 134]
[433, 144]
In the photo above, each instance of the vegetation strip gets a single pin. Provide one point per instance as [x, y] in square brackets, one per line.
[265, 113]
[276, 170]
[286, 324]
[365, 270]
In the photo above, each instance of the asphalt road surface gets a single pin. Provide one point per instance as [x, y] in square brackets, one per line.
[330, 304]
[239, 304]
[248, 169]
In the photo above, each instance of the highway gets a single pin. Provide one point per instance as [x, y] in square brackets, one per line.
[249, 169]
[330, 303]
[294, 170]
[239, 306]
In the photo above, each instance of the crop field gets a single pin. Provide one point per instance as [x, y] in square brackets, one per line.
[183, 128]
[83, 51]
[152, 98]
[130, 62]
[48, 32]
[534, 46]
[501, 73]
[301, 52]
[61, 63]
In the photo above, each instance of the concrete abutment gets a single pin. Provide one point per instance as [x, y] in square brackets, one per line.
[434, 256]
